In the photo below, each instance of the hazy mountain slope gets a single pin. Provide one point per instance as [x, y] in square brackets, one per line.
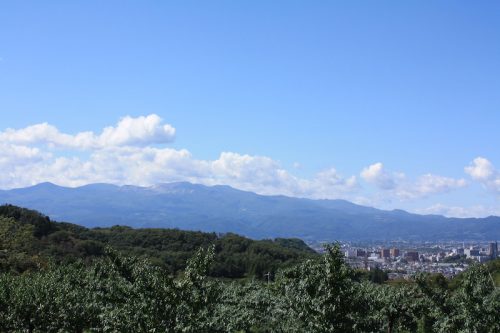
[225, 209]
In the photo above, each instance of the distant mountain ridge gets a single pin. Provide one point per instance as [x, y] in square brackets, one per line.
[222, 208]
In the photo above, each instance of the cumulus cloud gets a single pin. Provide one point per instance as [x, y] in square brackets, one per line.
[126, 154]
[396, 185]
[332, 179]
[14, 159]
[137, 131]
[244, 168]
[376, 174]
[131, 152]
[35, 134]
[482, 170]
[140, 131]
[20, 154]
[147, 166]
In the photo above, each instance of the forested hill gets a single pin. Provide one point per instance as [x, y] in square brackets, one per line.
[30, 240]
[122, 293]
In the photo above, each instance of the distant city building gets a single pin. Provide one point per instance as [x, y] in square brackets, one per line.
[360, 253]
[471, 252]
[493, 250]
[405, 262]
[412, 256]
[349, 253]
[385, 253]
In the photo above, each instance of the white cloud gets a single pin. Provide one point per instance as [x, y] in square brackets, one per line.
[136, 132]
[152, 165]
[395, 185]
[457, 211]
[480, 169]
[129, 153]
[140, 131]
[432, 184]
[376, 174]
[331, 179]
[265, 176]
[35, 134]
[19, 154]
[483, 171]
[14, 159]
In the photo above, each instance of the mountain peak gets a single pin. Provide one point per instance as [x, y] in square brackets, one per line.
[44, 185]
[222, 208]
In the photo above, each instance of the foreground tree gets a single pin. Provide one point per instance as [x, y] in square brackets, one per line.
[321, 296]
[117, 293]
[473, 306]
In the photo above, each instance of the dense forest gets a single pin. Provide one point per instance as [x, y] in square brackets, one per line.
[59, 277]
[30, 240]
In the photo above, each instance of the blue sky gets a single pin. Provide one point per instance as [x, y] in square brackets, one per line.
[290, 90]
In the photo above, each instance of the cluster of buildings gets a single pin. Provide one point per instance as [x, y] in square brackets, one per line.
[478, 253]
[447, 259]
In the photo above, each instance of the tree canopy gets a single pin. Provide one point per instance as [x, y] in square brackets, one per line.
[104, 289]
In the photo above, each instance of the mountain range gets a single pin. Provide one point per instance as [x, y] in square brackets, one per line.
[225, 209]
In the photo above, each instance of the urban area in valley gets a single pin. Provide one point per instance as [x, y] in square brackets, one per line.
[402, 260]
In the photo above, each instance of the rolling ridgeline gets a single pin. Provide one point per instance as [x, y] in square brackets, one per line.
[224, 209]
[30, 240]
[60, 277]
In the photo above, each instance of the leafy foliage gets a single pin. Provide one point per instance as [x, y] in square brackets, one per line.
[29, 240]
[118, 292]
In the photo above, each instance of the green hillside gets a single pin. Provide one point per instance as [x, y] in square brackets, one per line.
[60, 277]
[30, 240]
